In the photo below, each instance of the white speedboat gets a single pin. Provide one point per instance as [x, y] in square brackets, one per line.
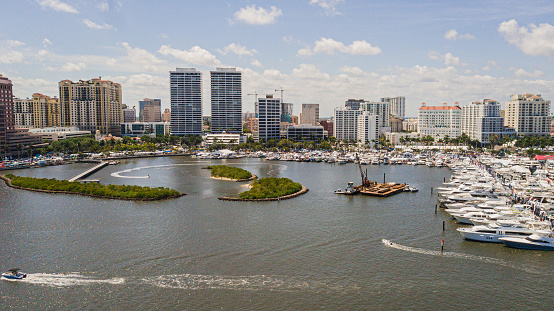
[14, 274]
[492, 233]
[541, 240]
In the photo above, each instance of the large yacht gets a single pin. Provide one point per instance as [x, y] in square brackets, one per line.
[541, 240]
[493, 232]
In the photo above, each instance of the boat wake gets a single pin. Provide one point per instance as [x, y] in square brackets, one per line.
[119, 173]
[66, 279]
[198, 282]
[490, 260]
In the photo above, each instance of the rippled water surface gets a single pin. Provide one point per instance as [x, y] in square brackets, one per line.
[317, 251]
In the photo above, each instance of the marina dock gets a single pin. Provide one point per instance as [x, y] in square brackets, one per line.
[90, 171]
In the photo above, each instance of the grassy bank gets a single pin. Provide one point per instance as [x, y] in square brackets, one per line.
[229, 172]
[271, 187]
[93, 189]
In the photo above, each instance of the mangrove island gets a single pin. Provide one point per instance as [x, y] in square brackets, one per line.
[121, 192]
[230, 172]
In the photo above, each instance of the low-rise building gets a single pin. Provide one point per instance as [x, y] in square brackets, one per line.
[409, 125]
[144, 128]
[58, 133]
[223, 138]
[306, 132]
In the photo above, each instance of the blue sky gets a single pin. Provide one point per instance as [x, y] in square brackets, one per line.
[319, 51]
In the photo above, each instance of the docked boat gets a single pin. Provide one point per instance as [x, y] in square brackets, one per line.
[541, 240]
[14, 274]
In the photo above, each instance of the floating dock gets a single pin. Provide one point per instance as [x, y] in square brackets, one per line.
[90, 171]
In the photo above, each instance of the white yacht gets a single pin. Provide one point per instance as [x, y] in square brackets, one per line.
[493, 232]
[540, 240]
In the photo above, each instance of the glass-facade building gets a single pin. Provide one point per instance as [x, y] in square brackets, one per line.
[226, 100]
[186, 101]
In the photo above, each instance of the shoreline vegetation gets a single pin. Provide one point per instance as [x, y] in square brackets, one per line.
[117, 192]
[270, 189]
[225, 172]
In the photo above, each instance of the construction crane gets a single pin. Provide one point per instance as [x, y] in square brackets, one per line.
[365, 181]
[281, 90]
[255, 94]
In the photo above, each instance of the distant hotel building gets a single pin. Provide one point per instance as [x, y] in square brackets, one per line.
[397, 106]
[410, 124]
[439, 121]
[305, 132]
[150, 110]
[310, 114]
[528, 114]
[226, 100]
[286, 112]
[186, 101]
[91, 105]
[346, 123]
[39, 112]
[166, 115]
[480, 120]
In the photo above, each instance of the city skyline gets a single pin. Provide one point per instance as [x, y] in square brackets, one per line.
[318, 51]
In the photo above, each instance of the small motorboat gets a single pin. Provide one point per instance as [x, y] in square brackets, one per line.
[14, 274]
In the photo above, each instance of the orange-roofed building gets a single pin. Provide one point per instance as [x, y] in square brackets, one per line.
[440, 121]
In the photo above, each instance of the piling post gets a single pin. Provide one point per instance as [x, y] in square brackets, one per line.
[436, 206]
[384, 174]
[442, 245]
[443, 225]
[444, 179]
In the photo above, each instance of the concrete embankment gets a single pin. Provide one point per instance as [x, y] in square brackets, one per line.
[290, 196]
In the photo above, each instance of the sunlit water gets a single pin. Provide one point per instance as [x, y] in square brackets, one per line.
[317, 251]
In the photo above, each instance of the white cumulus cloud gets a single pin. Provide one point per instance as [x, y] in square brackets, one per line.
[58, 6]
[69, 67]
[330, 46]
[452, 34]
[310, 72]
[448, 58]
[533, 40]
[328, 5]
[195, 55]
[92, 25]
[256, 63]
[522, 73]
[237, 49]
[104, 6]
[257, 15]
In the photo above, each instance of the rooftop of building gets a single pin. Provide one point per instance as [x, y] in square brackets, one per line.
[443, 107]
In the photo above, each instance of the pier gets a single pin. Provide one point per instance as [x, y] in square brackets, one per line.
[90, 171]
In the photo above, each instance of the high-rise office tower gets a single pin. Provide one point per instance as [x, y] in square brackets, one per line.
[150, 110]
[186, 101]
[397, 106]
[6, 109]
[91, 105]
[268, 112]
[226, 100]
[129, 114]
[310, 114]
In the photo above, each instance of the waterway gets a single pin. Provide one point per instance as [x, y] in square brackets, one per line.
[316, 251]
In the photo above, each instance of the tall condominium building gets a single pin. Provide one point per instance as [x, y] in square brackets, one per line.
[41, 111]
[13, 141]
[397, 106]
[354, 104]
[46, 111]
[439, 121]
[23, 112]
[226, 100]
[186, 101]
[268, 112]
[382, 109]
[346, 123]
[166, 115]
[480, 120]
[367, 128]
[150, 110]
[91, 105]
[286, 112]
[528, 114]
[129, 114]
[310, 114]
[6, 110]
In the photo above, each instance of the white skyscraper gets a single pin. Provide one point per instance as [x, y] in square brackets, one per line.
[226, 99]
[528, 114]
[346, 124]
[186, 101]
[480, 120]
[382, 109]
[268, 112]
[397, 106]
[368, 128]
